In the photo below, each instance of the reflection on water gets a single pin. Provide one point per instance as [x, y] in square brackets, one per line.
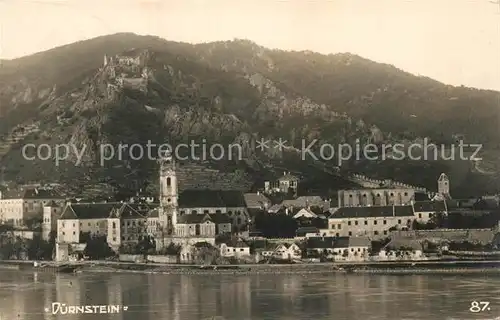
[26, 295]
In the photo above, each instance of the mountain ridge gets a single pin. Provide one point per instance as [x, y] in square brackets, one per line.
[229, 91]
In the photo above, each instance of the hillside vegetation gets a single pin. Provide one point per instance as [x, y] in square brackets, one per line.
[227, 92]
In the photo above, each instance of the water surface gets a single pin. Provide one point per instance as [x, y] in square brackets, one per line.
[26, 295]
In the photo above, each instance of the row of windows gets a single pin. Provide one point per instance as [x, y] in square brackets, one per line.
[216, 211]
[375, 222]
[375, 233]
[103, 223]
[378, 195]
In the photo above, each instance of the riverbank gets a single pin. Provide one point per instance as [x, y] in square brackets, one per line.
[380, 267]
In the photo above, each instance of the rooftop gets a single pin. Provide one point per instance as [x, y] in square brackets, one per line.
[211, 199]
[429, 206]
[372, 212]
[256, 200]
[86, 211]
[337, 242]
[217, 218]
[30, 193]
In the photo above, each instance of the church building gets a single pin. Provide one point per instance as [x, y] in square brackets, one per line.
[176, 220]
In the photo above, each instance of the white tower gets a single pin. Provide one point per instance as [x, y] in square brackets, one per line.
[168, 192]
[105, 60]
[444, 185]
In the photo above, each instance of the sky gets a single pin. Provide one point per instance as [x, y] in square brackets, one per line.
[453, 41]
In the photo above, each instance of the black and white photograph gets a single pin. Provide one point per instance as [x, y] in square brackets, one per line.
[249, 159]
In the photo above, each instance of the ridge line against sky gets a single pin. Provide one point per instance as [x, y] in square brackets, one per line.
[456, 42]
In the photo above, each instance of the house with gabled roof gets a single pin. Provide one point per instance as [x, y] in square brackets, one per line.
[424, 210]
[229, 202]
[120, 223]
[287, 251]
[203, 225]
[284, 184]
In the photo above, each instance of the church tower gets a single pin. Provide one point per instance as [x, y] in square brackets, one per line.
[168, 192]
[444, 185]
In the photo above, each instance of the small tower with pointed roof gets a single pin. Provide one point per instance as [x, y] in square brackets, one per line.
[444, 186]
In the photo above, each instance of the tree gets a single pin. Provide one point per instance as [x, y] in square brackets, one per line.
[146, 246]
[171, 250]
[97, 248]
[205, 253]
[39, 249]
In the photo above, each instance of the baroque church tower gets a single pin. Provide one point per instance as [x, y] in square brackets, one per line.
[168, 193]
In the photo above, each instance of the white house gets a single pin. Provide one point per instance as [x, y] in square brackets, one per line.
[340, 248]
[402, 250]
[237, 249]
[424, 210]
[284, 251]
[305, 213]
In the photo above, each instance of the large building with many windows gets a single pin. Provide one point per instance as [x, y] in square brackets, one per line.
[20, 205]
[373, 222]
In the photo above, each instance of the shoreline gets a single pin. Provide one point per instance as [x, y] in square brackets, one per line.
[380, 267]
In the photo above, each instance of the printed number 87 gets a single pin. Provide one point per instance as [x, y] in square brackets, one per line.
[476, 306]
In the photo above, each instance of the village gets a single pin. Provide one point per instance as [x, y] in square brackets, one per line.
[385, 223]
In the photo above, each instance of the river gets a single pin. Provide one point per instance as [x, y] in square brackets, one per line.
[29, 296]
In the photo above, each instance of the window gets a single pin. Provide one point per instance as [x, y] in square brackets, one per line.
[385, 232]
[350, 233]
[399, 221]
[114, 225]
[420, 216]
[114, 239]
[356, 223]
[409, 221]
[64, 233]
[374, 221]
[348, 223]
[366, 222]
[337, 234]
[74, 232]
[333, 226]
[376, 233]
[241, 250]
[385, 221]
[169, 182]
[339, 226]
